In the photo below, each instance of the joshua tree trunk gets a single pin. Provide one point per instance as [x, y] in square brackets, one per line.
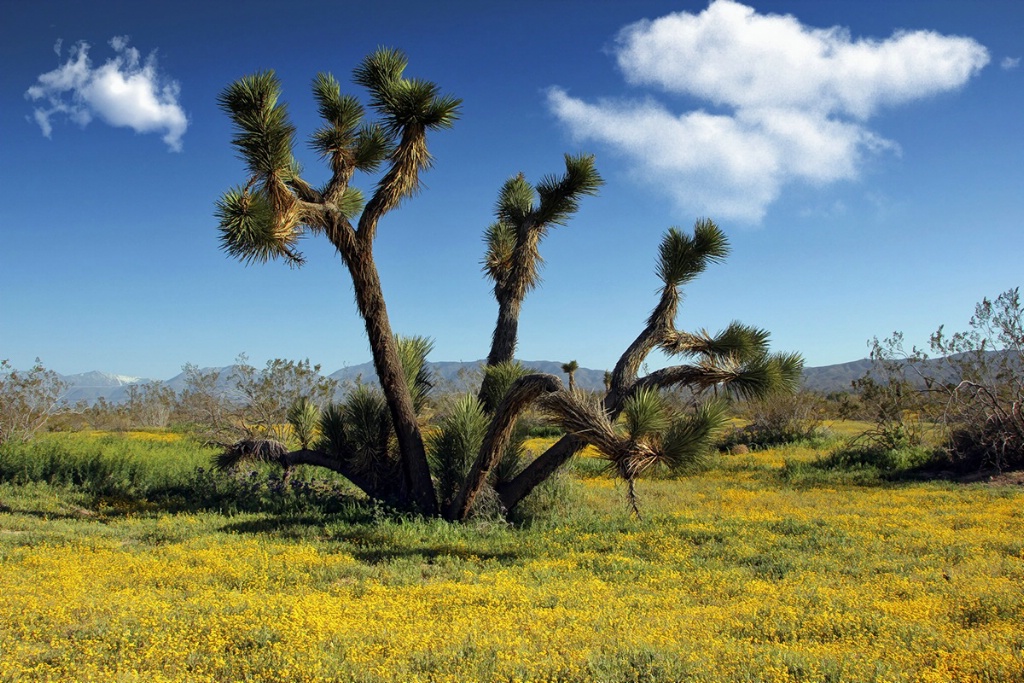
[370, 300]
[539, 470]
[570, 369]
[551, 460]
[506, 331]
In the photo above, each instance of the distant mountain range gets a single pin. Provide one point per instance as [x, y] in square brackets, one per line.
[448, 375]
[91, 386]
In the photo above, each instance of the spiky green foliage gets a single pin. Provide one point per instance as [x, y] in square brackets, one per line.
[407, 109]
[767, 374]
[249, 231]
[515, 200]
[500, 241]
[560, 196]
[262, 220]
[372, 147]
[367, 430]
[498, 379]
[651, 433]
[304, 418]
[263, 133]
[412, 353]
[524, 214]
[737, 341]
[344, 139]
[342, 113]
[683, 257]
[351, 202]
[400, 101]
[333, 439]
[645, 414]
[686, 444]
[455, 445]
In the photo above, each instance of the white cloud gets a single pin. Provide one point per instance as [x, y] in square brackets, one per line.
[793, 102]
[124, 92]
[1010, 63]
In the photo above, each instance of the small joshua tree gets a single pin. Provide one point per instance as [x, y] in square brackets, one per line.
[570, 369]
[373, 437]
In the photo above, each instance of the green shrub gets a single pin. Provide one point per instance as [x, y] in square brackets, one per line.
[885, 459]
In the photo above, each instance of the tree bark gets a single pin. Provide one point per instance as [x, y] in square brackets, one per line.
[503, 341]
[370, 300]
[506, 332]
[305, 456]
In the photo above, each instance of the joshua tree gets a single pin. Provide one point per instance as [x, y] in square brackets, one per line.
[524, 215]
[570, 369]
[736, 359]
[265, 217]
[373, 438]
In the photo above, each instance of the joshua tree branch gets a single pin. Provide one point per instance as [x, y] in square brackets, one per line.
[522, 392]
[400, 180]
[539, 470]
[659, 328]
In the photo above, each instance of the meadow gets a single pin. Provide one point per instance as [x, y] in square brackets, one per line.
[123, 558]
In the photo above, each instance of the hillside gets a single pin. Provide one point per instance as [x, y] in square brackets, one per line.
[448, 376]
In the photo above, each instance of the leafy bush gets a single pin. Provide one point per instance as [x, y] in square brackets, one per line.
[557, 498]
[260, 489]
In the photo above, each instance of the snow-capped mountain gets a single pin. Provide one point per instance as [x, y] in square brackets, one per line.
[91, 386]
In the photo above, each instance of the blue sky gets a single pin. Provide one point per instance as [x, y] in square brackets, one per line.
[865, 160]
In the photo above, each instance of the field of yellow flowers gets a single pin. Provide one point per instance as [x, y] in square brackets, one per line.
[736, 574]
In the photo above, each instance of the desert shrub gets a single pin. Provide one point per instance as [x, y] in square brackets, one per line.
[27, 400]
[972, 385]
[888, 460]
[891, 395]
[777, 419]
[260, 489]
[557, 498]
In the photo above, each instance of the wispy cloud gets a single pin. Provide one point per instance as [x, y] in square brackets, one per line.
[124, 92]
[788, 102]
[1010, 63]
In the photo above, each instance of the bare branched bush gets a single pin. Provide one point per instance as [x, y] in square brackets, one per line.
[983, 398]
[27, 400]
[970, 384]
[892, 395]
